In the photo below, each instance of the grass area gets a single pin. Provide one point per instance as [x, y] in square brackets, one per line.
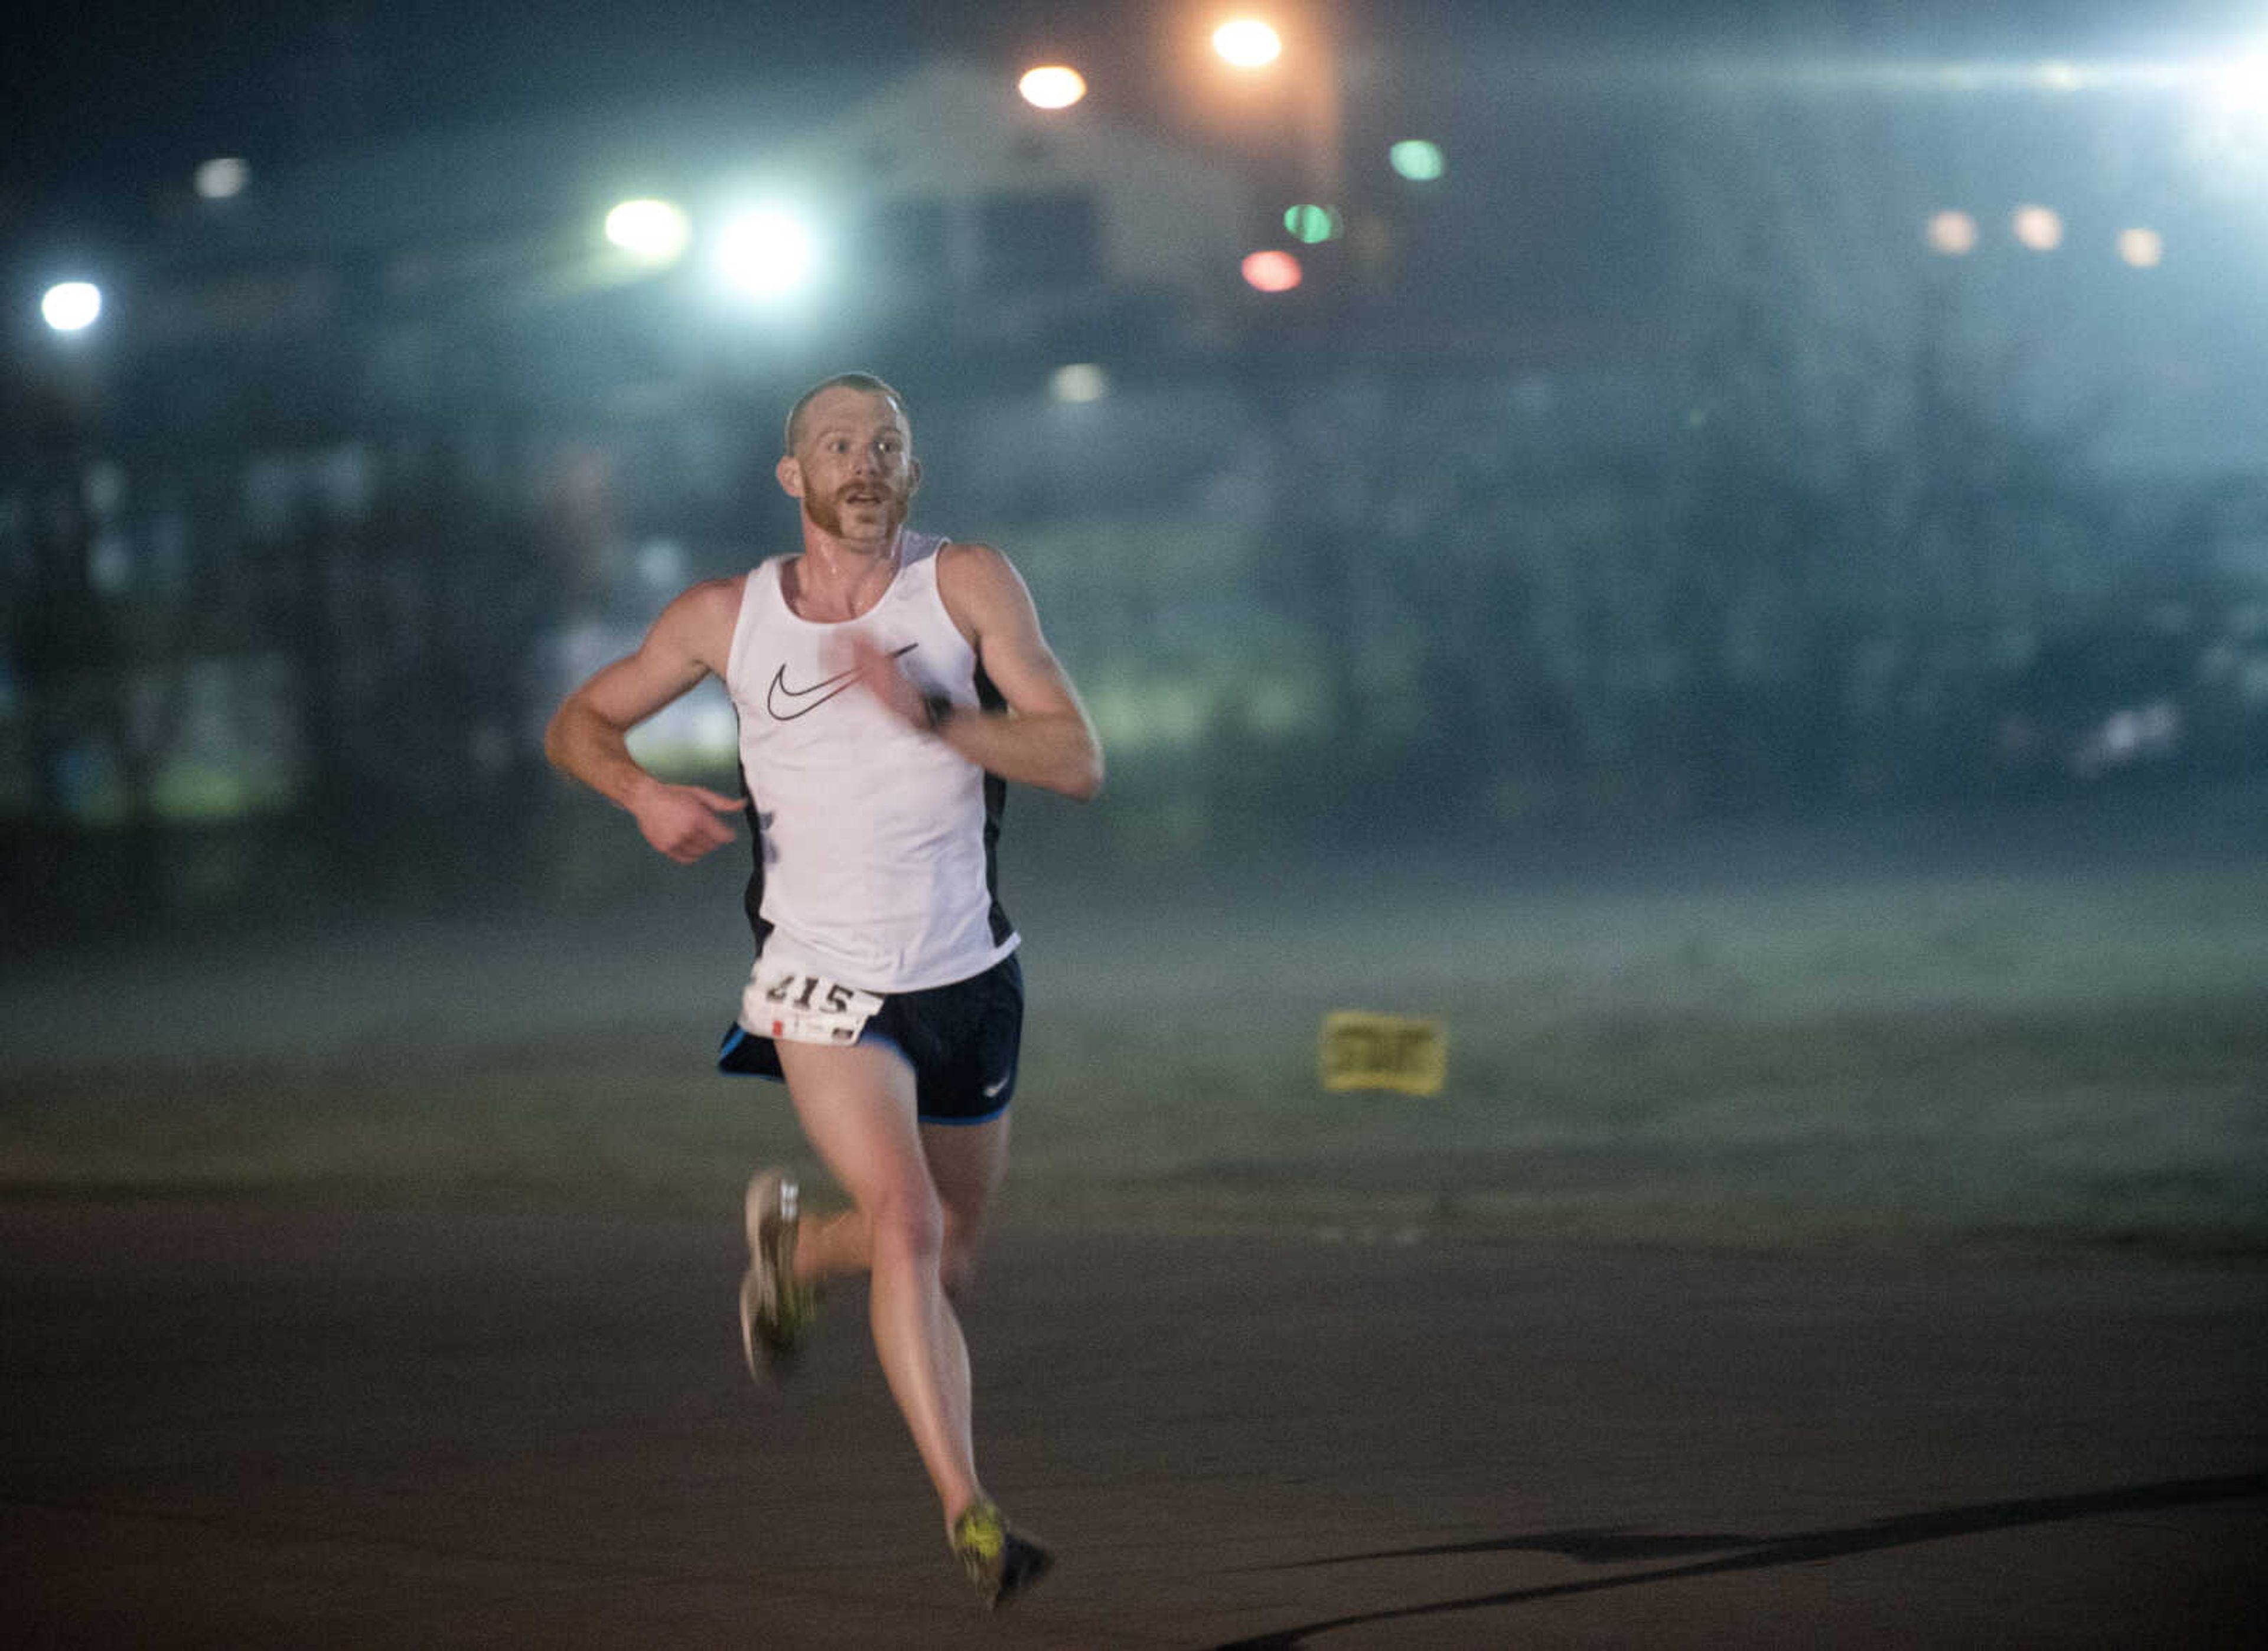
[2006, 1049]
[2132, 1125]
[2142, 1126]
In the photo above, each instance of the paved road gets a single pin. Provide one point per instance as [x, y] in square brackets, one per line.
[237, 1426]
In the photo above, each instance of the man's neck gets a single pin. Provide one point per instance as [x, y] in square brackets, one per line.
[840, 579]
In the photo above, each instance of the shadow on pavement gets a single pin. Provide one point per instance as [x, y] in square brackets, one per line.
[1608, 1547]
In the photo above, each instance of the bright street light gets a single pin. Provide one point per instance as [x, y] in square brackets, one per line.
[767, 252]
[651, 231]
[1248, 43]
[1053, 86]
[2242, 83]
[72, 306]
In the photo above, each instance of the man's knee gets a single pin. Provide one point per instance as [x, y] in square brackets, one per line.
[910, 1223]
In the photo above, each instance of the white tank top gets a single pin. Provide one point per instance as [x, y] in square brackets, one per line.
[874, 841]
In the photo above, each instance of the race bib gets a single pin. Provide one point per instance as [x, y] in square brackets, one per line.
[804, 1007]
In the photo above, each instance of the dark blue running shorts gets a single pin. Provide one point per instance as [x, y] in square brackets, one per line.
[961, 1041]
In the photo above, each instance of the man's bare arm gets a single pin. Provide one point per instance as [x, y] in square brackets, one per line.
[1044, 737]
[588, 735]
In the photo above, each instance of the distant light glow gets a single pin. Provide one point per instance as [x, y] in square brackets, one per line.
[652, 232]
[72, 306]
[1248, 43]
[1310, 223]
[2243, 83]
[1952, 233]
[661, 563]
[2220, 98]
[110, 563]
[2144, 249]
[769, 252]
[222, 179]
[1080, 382]
[1052, 86]
[1851, 72]
[1415, 159]
[1273, 271]
[2229, 132]
[2238, 74]
[2038, 227]
[715, 730]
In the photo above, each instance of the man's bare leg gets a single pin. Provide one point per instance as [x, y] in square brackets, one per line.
[857, 1108]
[966, 1164]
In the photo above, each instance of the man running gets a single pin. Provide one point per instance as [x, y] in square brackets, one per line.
[888, 684]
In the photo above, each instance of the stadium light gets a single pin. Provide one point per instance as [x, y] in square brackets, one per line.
[2243, 82]
[766, 253]
[1052, 86]
[2228, 135]
[651, 231]
[1248, 43]
[72, 306]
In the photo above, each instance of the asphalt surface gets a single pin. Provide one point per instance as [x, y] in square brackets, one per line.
[249, 1425]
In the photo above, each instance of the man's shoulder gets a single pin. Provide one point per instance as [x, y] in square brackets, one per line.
[704, 616]
[970, 576]
[713, 598]
[965, 561]
[953, 550]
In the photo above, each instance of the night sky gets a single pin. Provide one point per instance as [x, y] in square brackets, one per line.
[117, 100]
[112, 107]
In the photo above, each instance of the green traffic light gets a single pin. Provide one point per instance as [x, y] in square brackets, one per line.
[1311, 224]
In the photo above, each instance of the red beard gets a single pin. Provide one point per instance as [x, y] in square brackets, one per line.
[828, 513]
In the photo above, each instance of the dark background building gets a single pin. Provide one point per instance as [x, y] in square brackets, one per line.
[1756, 421]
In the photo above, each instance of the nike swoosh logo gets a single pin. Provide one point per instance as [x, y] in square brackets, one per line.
[807, 700]
[992, 1090]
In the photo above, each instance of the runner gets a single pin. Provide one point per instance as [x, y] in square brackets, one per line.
[888, 685]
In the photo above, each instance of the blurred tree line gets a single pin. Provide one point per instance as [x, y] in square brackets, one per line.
[1302, 603]
[1805, 546]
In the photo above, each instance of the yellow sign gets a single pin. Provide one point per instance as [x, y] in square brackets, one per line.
[1363, 1051]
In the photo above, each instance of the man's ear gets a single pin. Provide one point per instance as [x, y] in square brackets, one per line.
[790, 472]
[913, 477]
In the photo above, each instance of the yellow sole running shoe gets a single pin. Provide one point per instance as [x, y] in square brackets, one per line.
[999, 1561]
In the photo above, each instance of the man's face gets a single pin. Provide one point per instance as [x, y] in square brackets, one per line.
[853, 466]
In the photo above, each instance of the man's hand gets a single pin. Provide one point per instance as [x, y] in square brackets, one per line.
[588, 738]
[680, 820]
[879, 675]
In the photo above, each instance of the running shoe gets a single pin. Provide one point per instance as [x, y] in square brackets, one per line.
[776, 1311]
[1001, 1562]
